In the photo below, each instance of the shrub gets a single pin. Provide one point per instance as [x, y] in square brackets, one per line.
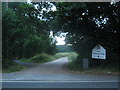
[72, 56]
[74, 66]
[60, 55]
[6, 63]
[13, 68]
[26, 60]
[75, 61]
[40, 58]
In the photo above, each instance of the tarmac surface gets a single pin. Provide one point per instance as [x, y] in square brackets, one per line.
[52, 71]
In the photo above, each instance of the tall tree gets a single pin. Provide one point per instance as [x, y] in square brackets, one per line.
[24, 33]
[89, 24]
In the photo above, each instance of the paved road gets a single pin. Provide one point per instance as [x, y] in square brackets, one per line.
[62, 84]
[53, 75]
[52, 71]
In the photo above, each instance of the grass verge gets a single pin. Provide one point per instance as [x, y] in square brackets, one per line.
[70, 55]
[13, 68]
[26, 60]
[42, 58]
[103, 68]
[92, 70]
[39, 58]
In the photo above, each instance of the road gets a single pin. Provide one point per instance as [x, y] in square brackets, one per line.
[60, 84]
[52, 74]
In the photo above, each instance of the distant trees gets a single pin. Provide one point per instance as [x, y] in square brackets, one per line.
[23, 33]
[64, 48]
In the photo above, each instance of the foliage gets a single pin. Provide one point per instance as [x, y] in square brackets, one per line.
[64, 48]
[95, 66]
[61, 54]
[6, 63]
[24, 34]
[89, 24]
[25, 60]
[72, 56]
[13, 68]
[77, 62]
[40, 58]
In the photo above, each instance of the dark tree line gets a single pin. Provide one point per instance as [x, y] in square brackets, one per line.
[89, 24]
[23, 33]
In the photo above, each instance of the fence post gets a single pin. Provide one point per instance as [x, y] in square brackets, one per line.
[85, 63]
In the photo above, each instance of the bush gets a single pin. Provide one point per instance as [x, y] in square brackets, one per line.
[104, 65]
[40, 58]
[75, 61]
[13, 68]
[72, 56]
[26, 60]
[60, 55]
[74, 65]
[6, 63]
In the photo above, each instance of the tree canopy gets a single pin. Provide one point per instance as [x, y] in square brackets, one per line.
[26, 28]
[24, 34]
[89, 24]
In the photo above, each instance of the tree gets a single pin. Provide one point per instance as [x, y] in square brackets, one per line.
[89, 24]
[24, 34]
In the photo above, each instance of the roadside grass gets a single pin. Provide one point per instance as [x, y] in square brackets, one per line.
[26, 60]
[13, 68]
[75, 65]
[92, 70]
[42, 58]
[70, 55]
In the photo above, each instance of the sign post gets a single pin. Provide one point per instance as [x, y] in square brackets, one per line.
[85, 63]
[98, 52]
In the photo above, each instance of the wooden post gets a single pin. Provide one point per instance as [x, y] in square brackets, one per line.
[85, 63]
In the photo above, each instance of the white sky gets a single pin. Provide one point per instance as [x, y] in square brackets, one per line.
[60, 40]
[29, 1]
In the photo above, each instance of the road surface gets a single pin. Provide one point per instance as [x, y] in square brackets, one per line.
[60, 84]
[52, 74]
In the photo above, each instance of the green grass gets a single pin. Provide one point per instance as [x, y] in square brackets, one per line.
[26, 60]
[60, 55]
[70, 55]
[13, 68]
[42, 58]
[76, 66]
[39, 58]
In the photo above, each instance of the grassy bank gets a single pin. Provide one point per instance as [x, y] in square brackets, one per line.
[13, 68]
[70, 55]
[74, 64]
[39, 58]
[42, 58]
[95, 66]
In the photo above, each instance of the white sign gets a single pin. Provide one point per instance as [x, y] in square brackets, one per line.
[98, 52]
